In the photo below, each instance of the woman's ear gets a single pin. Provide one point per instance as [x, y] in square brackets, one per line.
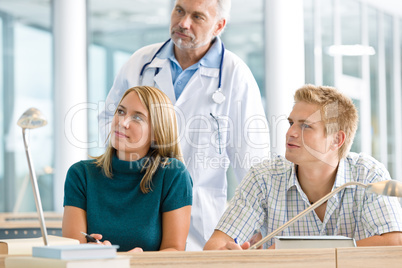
[339, 140]
[154, 143]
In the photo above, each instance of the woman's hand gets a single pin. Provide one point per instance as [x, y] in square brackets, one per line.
[99, 238]
[136, 250]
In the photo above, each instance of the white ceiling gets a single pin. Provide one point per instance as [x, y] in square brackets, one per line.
[389, 6]
[152, 12]
[119, 16]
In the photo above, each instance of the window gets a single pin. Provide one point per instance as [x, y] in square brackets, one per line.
[369, 80]
[244, 36]
[27, 74]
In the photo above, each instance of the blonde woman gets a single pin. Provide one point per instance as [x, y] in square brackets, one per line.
[138, 194]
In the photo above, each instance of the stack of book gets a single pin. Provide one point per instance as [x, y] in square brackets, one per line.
[23, 246]
[71, 256]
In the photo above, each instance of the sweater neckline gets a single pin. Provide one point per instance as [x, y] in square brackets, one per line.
[128, 167]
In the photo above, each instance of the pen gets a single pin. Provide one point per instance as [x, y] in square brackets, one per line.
[90, 238]
[235, 240]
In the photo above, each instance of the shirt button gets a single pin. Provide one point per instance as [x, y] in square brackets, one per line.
[179, 83]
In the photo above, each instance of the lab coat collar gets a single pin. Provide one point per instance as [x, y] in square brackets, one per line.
[205, 71]
[158, 63]
[211, 59]
[211, 72]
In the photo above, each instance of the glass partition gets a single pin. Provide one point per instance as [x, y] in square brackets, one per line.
[374, 83]
[33, 88]
[309, 30]
[327, 20]
[389, 81]
[351, 32]
[2, 178]
[97, 88]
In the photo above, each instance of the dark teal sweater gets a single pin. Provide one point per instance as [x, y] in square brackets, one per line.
[117, 209]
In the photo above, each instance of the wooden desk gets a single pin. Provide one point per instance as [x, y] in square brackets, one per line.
[340, 258]
[369, 257]
[271, 258]
[2, 257]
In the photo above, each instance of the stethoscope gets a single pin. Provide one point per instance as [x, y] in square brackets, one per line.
[218, 97]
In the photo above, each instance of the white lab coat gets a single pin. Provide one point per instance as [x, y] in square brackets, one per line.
[243, 128]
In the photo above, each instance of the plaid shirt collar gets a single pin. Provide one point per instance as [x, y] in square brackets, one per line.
[339, 180]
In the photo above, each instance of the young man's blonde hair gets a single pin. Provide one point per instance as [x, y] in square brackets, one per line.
[337, 112]
[165, 140]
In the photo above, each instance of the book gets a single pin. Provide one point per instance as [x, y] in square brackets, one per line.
[75, 252]
[287, 242]
[23, 246]
[34, 262]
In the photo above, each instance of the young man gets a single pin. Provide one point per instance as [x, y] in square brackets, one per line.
[323, 123]
[217, 102]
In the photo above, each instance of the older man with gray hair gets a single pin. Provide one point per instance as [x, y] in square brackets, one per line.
[217, 102]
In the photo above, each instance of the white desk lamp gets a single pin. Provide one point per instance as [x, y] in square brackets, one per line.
[389, 187]
[33, 118]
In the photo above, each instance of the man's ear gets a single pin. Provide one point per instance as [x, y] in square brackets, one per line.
[338, 140]
[220, 25]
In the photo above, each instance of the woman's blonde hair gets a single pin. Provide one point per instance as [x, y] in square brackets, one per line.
[165, 141]
[337, 112]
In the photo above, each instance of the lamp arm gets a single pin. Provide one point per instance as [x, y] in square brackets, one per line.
[38, 202]
[304, 212]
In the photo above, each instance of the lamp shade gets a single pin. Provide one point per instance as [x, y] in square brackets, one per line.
[32, 118]
[389, 188]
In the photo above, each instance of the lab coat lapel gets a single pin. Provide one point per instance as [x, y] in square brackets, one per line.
[163, 80]
[197, 85]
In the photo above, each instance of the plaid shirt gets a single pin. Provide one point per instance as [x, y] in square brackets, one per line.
[270, 195]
